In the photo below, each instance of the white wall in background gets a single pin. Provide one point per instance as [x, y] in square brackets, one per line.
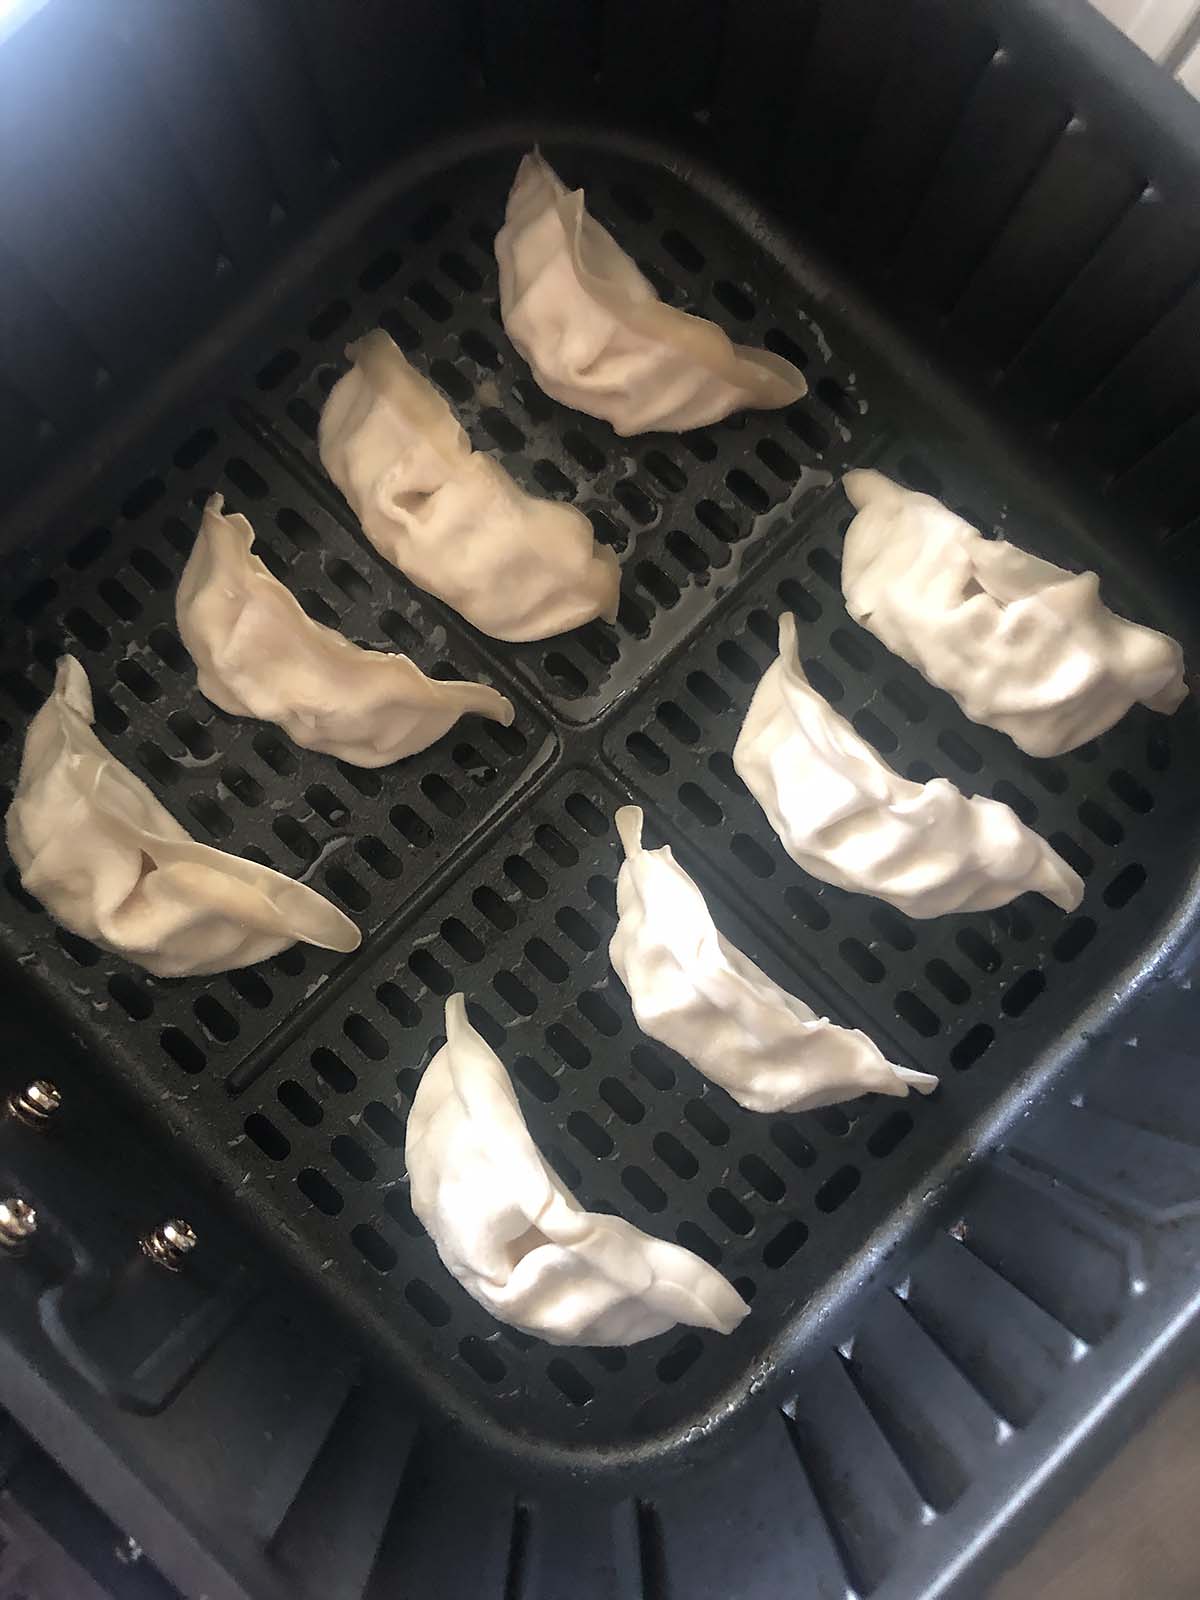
[1154, 24]
[1169, 30]
[1188, 71]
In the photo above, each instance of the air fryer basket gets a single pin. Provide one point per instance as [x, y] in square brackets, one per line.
[487, 863]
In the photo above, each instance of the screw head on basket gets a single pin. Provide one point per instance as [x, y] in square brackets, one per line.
[170, 1244]
[128, 1551]
[18, 1223]
[35, 1105]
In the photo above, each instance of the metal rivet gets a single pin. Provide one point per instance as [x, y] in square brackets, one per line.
[170, 1244]
[35, 1105]
[18, 1223]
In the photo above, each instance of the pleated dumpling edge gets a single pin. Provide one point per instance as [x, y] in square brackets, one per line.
[452, 519]
[1024, 646]
[519, 1242]
[95, 846]
[705, 999]
[847, 817]
[259, 654]
[596, 335]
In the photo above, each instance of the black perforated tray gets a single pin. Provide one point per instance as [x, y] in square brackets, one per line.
[487, 863]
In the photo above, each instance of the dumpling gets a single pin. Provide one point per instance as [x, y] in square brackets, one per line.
[111, 864]
[520, 1243]
[595, 333]
[1022, 645]
[845, 816]
[450, 517]
[697, 994]
[258, 654]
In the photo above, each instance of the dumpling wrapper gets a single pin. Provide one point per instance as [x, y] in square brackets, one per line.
[258, 654]
[595, 333]
[451, 518]
[699, 995]
[96, 848]
[1022, 645]
[845, 816]
[516, 1239]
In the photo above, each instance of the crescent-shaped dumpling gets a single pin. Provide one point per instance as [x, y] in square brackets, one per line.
[1022, 645]
[520, 1243]
[450, 517]
[595, 333]
[106, 859]
[258, 654]
[845, 816]
[699, 995]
